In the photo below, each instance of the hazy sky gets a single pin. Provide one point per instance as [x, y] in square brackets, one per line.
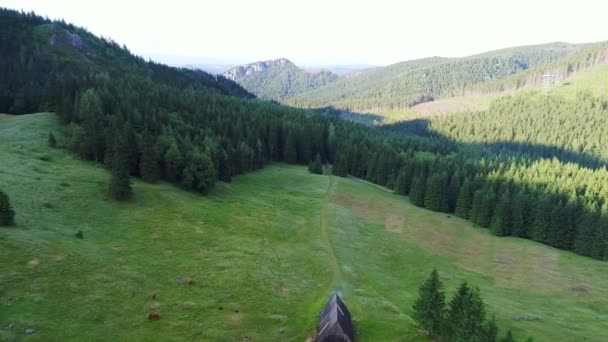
[328, 31]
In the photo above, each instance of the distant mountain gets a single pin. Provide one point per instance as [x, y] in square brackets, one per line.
[339, 70]
[406, 84]
[278, 79]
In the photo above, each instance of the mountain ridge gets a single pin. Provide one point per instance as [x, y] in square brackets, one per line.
[278, 79]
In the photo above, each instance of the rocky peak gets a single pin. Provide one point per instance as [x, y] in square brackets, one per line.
[241, 71]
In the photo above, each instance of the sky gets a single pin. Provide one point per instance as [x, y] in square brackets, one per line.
[326, 32]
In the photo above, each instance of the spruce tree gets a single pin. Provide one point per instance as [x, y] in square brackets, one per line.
[339, 167]
[7, 214]
[542, 220]
[401, 186]
[599, 248]
[120, 182]
[436, 194]
[417, 190]
[464, 200]
[453, 190]
[316, 166]
[465, 315]
[224, 167]
[585, 233]
[429, 308]
[52, 141]
[561, 228]
[483, 206]
[148, 164]
[501, 220]
[519, 227]
[290, 151]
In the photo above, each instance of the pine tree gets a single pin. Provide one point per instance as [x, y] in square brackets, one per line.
[465, 315]
[561, 228]
[224, 167]
[316, 166]
[148, 164]
[501, 220]
[519, 227]
[417, 190]
[429, 308]
[585, 233]
[52, 141]
[174, 163]
[483, 206]
[7, 214]
[120, 182]
[464, 200]
[290, 152]
[453, 190]
[340, 168]
[542, 220]
[401, 186]
[599, 249]
[436, 195]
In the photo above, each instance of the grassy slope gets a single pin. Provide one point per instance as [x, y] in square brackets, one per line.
[594, 80]
[272, 245]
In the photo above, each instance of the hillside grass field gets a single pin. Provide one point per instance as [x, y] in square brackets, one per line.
[264, 253]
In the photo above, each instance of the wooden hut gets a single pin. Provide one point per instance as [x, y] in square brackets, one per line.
[334, 322]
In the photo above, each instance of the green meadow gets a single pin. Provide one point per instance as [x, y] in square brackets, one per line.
[264, 252]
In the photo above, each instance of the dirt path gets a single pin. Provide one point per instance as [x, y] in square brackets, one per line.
[337, 277]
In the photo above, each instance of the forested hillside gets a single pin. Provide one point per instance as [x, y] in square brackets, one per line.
[532, 166]
[405, 84]
[278, 79]
[591, 56]
[156, 122]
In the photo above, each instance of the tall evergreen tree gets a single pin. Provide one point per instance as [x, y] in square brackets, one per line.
[290, 151]
[464, 200]
[418, 190]
[148, 165]
[7, 214]
[465, 315]
[483, 206]
[599, 249]
[401, 186]
[542, 220]
[315, 166]
[429, 308]
[120, 182]
[436, 195]
[224, 167]
[519, 226]
[501, 220]
[453, 191]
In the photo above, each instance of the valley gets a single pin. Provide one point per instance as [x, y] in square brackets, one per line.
[267, 249]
